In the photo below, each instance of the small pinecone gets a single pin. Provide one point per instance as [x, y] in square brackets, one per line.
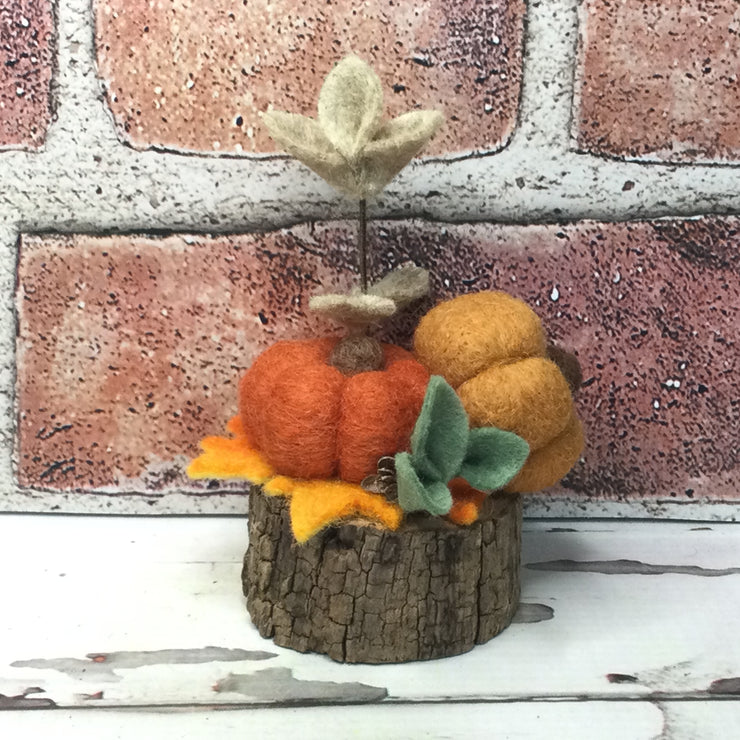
[384, 481]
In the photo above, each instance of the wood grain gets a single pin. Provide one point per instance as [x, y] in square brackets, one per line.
[365, 595]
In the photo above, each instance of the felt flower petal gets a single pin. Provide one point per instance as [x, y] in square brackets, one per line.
[397, 143]
[350, 106]
[316, 504]
[303, 138]
[360, 309]
[405, 284]
[229, 458]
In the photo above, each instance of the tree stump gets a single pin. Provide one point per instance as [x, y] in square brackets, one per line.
[361, 594]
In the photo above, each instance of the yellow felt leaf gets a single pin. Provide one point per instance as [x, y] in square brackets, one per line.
[350, 106]
[229, 458]
[280, 485]
[316, 504]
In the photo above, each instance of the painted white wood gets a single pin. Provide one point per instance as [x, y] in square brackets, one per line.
[615, 721]
[78, 585]
[538, 505]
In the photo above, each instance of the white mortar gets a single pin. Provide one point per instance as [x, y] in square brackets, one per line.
[53, 189]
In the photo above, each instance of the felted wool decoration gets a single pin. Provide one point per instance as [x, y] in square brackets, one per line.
[568, 364]
[315, 504]
[443, 448]
[350, 146]
[311, 421]
[466, 502]
[491, 348]
[460, 337]
[405, 284]
[357, 310]
[226, 458]
[530, 397]
[549, 464]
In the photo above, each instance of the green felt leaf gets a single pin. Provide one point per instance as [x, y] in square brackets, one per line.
[440, 438]
[493, 458]
[415, 494]
[396, 144]
[351, 106]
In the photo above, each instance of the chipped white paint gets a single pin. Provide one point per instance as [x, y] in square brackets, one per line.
[75, 586]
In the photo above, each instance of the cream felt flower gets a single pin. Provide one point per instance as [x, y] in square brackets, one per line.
[350, 145]
[404, 285]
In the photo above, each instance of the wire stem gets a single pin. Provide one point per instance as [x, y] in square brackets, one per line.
[362, 244]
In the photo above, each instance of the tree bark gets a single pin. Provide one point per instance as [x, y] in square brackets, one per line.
[361, 594]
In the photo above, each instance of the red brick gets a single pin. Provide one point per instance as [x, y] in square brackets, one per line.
[652, 308]
[26, 41]
[130, 348]
[653, 311]
[195, 75]
[659, 79]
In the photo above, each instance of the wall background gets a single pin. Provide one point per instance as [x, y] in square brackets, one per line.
[133, 249]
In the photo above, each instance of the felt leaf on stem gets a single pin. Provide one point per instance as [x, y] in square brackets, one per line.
[357, 309]
[403, 285]
[397, 143]
[304, 139]
[440, 438]
[349, 145]
[493, 458]
[415, 494]
[351, 106]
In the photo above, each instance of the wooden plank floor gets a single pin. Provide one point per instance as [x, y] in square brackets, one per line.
[629, 626]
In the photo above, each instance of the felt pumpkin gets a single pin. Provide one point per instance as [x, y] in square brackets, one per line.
[492, 349]
[311, 420]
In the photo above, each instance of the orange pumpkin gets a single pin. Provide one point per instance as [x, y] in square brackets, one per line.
[492, 349]
[311, 421]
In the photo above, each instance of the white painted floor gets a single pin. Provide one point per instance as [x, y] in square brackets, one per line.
[641, 641]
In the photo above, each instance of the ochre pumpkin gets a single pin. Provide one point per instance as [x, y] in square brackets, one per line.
[461, 337]
[311, 421]
[492, 349]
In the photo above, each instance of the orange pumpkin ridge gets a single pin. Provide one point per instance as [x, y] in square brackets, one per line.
[379, 410]
[289, 403]
[492, 349]
[310, 421]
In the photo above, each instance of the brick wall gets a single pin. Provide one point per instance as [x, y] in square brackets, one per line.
[151, 241]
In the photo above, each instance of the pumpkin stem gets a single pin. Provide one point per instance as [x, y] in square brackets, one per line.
[362, 244]
[569, 365]
[357, 353]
